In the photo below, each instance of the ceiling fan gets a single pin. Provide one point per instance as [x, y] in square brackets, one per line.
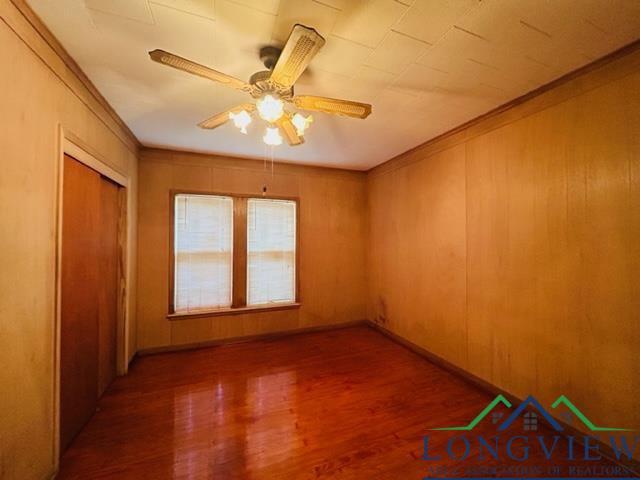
[271, 88]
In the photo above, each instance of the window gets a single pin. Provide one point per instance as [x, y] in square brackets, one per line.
[232, 253]
[271, 251]
[530, 421]
[203, 252]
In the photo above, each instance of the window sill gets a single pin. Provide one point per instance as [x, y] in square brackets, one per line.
[235, 311]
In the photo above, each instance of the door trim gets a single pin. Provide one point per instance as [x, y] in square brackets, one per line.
[69, 144]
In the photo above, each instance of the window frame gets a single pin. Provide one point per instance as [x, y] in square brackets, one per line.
[239, 257]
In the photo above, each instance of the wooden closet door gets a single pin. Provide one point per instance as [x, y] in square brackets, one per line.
[79, 298]
[108, 283]
[89, 294]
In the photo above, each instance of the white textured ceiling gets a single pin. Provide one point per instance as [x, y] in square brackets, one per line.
[426, 66]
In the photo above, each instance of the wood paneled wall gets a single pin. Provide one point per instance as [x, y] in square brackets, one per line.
[39, 93]
[332, 234]
[511, 248]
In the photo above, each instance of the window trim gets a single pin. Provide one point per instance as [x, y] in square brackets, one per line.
[239, 257]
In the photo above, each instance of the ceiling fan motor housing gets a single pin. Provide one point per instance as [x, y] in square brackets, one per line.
[269, 56]
[262, 83]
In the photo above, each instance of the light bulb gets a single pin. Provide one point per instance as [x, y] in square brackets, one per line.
[241, 120]
[301, 123]
[272, 137]
[270, 108]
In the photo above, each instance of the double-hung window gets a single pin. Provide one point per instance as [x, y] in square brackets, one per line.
[232, 252]
[271, 251]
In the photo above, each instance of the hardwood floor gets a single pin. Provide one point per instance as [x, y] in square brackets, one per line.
[340, 404]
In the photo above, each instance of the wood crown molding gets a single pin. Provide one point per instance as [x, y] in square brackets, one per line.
[563, 88]
[121, 129]
[613, 66]
[188, 157]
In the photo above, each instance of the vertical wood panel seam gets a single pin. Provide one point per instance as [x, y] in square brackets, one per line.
[466, 253]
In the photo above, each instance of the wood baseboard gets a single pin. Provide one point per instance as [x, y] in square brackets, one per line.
[632, 465]
[248, 338]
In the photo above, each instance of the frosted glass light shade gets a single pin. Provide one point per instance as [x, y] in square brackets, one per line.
[272, 137]
[270, 108]
[301, 123]
[241, 120]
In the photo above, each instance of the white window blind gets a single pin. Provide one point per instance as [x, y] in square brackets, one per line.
[271, 251]
[203, 244]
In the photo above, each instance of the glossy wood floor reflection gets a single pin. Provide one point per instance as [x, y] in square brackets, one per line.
[341, 404]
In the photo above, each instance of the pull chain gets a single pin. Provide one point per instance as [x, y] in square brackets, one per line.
[264, 172]
[264, 186]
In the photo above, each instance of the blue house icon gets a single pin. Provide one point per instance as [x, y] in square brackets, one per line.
[530, 401]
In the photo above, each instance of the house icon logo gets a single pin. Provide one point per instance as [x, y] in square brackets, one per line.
[532, 411]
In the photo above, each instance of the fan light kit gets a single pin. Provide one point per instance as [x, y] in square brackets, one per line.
[272, 88]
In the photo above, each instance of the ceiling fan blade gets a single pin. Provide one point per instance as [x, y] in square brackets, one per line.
[194, 68]
[223, 117]
[302, 45]
[289, 131]
[334, 106]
